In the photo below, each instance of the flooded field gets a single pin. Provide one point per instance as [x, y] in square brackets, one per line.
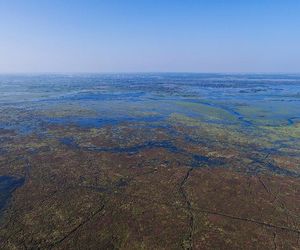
[150, 161]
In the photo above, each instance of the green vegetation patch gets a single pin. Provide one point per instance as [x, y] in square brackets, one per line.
[69, 110]
[209, 112]
[283, 133]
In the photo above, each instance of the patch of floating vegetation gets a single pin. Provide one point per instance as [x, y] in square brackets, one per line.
[268, 114]
[213, 131]
[230, 135]
[287, 136]
[185, 120]
[208, 112]
[60, 111]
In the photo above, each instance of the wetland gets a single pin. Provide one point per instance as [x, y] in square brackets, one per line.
[150, 161]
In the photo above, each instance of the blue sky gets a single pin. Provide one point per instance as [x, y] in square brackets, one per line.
[149, 36]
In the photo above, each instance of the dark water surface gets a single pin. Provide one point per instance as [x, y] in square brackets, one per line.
[8, 185]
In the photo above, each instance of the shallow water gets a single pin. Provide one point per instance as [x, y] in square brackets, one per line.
[97, 100]
[8, 185]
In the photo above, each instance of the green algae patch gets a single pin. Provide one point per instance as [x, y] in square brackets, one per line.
[61, 111]
[267, 115]
[287, 134]
[185, 120]
[213, 132]
[143, 113]
[208, 112]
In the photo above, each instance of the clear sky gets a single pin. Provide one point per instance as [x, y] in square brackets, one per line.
[149, 36]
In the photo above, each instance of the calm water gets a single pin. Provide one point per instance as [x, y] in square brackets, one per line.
[28, 102]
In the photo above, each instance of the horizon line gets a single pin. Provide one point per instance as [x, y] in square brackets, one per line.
[146, 72]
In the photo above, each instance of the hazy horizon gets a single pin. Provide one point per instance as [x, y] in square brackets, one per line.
[230, 37]
[148, 72]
